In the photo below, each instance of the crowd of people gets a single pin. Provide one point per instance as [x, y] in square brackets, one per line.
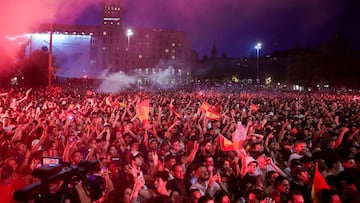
[179, 153]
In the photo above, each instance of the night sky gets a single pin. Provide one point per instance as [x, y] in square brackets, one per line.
[235, 26]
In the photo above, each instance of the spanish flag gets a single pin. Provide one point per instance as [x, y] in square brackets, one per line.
[205, 106]
[319, 184]
[142, 110]
[254, 107]
[226, 145]
[212, 115]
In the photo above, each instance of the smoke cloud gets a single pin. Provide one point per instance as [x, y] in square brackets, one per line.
[21, 16]
[118, 82]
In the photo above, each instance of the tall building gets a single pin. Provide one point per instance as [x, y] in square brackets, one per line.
[112, 35]
[141, 52]
[153, 52]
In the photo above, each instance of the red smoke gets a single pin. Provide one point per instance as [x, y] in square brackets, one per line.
[21, 16]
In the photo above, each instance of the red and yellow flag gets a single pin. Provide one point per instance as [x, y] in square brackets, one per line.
[142, 110]
[254, 107]
[226, 145]
[319, 184]
[212, 115]
[205, 106]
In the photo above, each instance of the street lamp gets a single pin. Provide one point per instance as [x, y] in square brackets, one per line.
[129, 33]
[257, 47]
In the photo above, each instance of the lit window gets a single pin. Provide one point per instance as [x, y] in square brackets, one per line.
[140, 56]
[104, 33]
[173, 57]
[173, 44]
[166, 50]
[104, 48]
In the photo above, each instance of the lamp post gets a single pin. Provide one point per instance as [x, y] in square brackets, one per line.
[257, 47]
[129, 33]
[50, 53]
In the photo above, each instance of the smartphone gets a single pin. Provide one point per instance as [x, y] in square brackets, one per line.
[47, 160]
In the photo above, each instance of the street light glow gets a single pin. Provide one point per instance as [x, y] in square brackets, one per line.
[257, 47]
[129, 33]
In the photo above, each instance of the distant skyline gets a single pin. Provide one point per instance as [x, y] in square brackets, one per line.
[235, 26]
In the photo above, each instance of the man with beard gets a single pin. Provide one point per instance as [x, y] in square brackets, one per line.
[206, 183]
[206, 149]
[179, 183]
[281, 194]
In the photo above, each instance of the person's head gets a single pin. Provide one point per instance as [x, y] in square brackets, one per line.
[21, 148]
[160, 180]
[296, 197]
[330, 196]
[194, 195]
[206, 147]
[255, 196]
[300, 146]
[209, 161]
[221, 196]
[206, 199]
[251, 165]
[178, 171]
[348, 162]
[11, 162]
[169, 161]
[76, 157]
[175, 144]
[301, 174]
[113, 151]
[137, 160]
[270, 177]
[35, 163]
[7, 172]
[153, 145]
[202, 173]
[126, 196]
[134, 145]
[282, 185]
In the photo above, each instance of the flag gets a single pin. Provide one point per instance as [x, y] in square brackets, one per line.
[254, 107]
[319, 184]
[122, 104]
[142, 110]
[108, 100]
[227, 145]
[172, 108]
[212, 115]
[239, 134]
[205, 106]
